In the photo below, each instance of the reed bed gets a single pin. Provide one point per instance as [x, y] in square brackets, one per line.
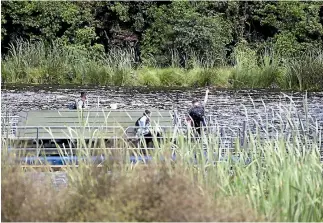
[39, 63]
[276, 178]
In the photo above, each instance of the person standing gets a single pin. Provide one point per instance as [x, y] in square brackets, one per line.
[197, 113]
[143, 124]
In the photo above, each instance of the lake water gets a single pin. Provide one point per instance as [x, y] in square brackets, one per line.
[229, 107]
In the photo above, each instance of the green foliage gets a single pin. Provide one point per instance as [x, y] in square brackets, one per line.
[57, 63]
[296, 25]
[85, 36]
[300, 18]
[50, 21]
[306, 72]
[212, 77]
[148, 77]
[171, 77]
[180, 27]
[252, 72]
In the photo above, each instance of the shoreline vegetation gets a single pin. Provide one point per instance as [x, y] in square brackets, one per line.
[275, 178]
[226, 44]
[41, 63]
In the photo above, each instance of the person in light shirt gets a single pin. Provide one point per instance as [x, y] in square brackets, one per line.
[143, 124]
[81, 103]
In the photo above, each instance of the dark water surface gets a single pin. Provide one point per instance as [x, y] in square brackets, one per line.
[228, 106]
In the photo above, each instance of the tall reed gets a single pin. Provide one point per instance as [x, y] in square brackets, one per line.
[276, 175]
[40, 62]
[56, 63]
[306, 72]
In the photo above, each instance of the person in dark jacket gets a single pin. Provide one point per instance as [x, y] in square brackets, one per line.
[197, 113]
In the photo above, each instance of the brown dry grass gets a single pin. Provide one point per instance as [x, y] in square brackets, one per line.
[26, 198]
[152, 193]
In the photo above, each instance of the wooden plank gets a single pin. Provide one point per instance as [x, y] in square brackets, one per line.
[73, 126]
[120, 116]
[66, 133]
[77, 118]
[35, 118]
[64, 136]
[94, 125]
[73, 135]
[51, 113]
[46, 167]
[91, 119]
[91, 125]
[74, 132]
[64, 118]
[22, 118]
[73, 149]
[84, 128]
[98, 110]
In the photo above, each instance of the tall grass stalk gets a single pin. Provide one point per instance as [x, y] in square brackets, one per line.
[39, 62]
[276, 178]
[306, 71]
[56, 63]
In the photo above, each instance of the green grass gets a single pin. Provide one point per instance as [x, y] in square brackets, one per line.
[306, 72]
[251, 72]
[39, 63]
[282, 182]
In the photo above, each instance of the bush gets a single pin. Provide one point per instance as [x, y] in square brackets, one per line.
[253, 72]
[171, 77]
[97, 74]
[150, 193]
[26, 197]
[148, 77]
[270, 70]
[305, 72]
[214, 77]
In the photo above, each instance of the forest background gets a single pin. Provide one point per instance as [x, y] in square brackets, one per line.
[234, 44]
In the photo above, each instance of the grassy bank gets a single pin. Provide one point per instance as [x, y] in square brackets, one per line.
[57, 64]
[281, 183]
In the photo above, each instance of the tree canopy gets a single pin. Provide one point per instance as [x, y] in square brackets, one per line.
[158, 29]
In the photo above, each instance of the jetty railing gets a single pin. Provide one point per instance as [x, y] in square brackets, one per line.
[9, 125]
[312, 130]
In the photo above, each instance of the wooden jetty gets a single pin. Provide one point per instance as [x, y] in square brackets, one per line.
[45, 130]
[49, 127]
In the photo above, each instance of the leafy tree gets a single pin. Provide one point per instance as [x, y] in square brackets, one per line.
[155, 29]
[295, 25]
[181, 27]
[69, 21]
